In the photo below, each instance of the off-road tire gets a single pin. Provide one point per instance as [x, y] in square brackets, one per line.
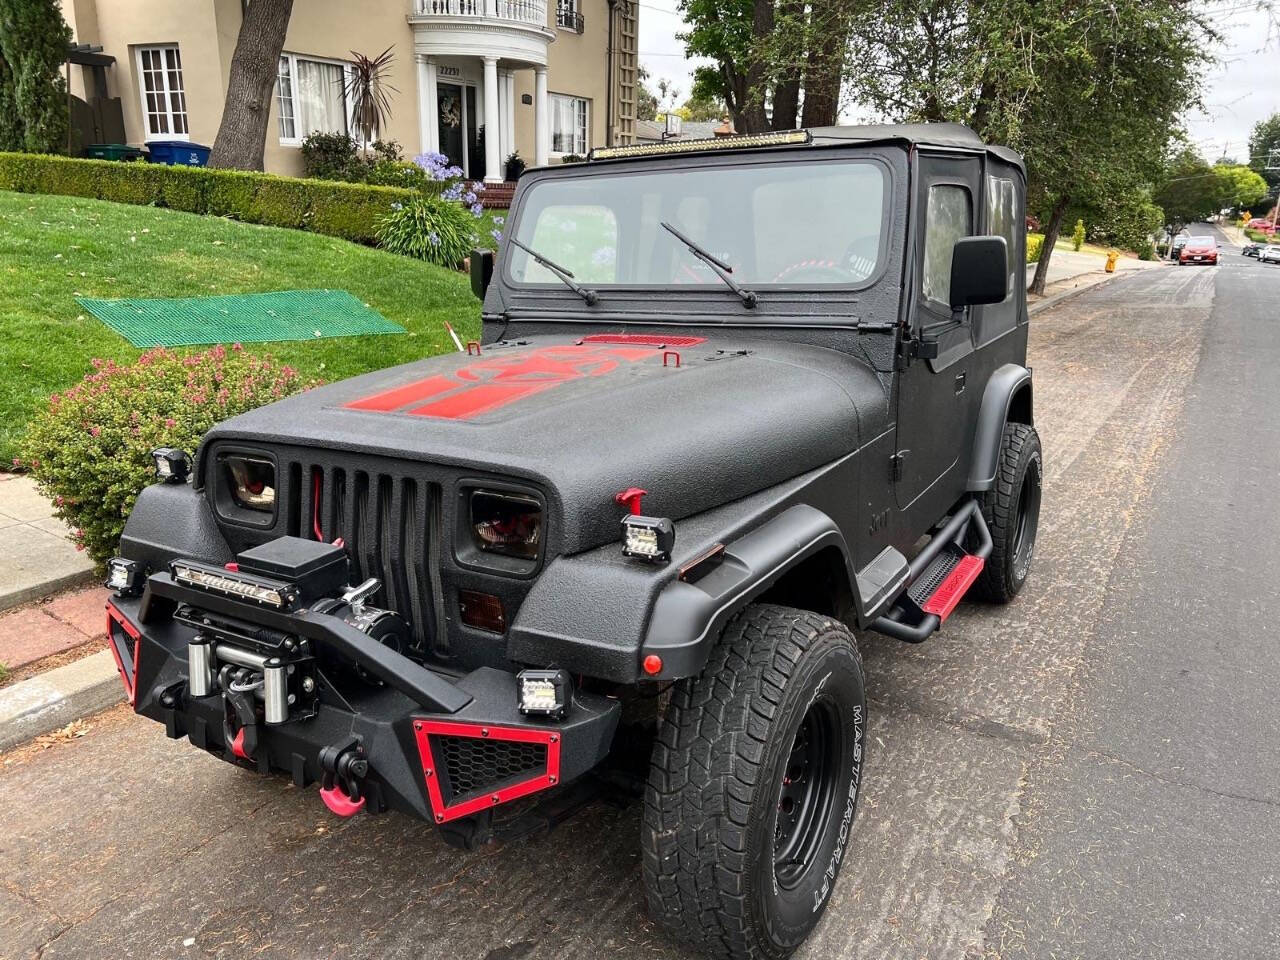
[1012, 511]
[716, 791]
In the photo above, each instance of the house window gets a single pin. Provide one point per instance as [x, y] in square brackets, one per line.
[569, 118]
[164, 99]
[310, 97]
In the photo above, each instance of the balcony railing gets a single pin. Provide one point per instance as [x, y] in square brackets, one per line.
[530, 12]
[569, 18]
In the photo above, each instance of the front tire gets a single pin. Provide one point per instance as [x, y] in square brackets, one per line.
[1012, 511]
[753, 785]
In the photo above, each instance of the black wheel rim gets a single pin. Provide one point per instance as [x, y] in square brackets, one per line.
[1024, 538]
[807, 796]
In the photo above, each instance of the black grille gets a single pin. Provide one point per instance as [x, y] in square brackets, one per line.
[390, 525]
[473, 765]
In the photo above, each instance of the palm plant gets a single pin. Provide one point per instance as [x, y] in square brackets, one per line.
[368, 93]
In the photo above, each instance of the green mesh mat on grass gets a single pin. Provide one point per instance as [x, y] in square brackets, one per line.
[244, 318]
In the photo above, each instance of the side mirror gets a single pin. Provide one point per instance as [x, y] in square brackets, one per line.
[979, 272]
[481, 271]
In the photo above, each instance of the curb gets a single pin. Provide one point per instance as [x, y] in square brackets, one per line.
[1058, 298]
[51, 700]
[39, 591]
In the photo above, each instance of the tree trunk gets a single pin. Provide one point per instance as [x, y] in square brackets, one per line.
[829, 40]
[1050, 238]
[786, 104]
[754, 119]
[242, 135]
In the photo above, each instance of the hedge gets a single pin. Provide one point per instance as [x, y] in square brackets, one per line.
[347, 210]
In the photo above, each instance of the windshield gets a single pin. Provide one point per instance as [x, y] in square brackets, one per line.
[808, 223]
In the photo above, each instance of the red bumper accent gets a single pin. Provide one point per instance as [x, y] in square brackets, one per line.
[484, 799]
[126, 660]
[952, 589]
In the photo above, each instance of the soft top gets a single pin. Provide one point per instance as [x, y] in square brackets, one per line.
[947, 136]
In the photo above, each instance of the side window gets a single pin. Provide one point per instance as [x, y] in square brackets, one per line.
[947, 220]
[1002, 220]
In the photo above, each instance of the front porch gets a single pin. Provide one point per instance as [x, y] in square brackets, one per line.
[467, 53]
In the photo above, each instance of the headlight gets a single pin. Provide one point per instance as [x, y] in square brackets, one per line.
[251, 482]
[506, 523]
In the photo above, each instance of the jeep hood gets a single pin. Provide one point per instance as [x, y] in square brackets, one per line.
[697, 422]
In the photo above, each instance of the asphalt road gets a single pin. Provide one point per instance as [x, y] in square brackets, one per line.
[1089, 772]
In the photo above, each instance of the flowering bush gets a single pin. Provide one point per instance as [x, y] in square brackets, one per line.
[434, 229]
[90, 450]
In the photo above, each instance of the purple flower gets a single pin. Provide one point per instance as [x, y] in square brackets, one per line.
[477, 209]
[497, 235]
[499, 221]
[452, 192]
[434, 238]
[469, 197]
[477, 187]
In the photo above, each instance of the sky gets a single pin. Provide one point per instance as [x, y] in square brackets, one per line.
[1239, 91]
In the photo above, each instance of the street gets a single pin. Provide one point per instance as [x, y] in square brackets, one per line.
[1089, 772]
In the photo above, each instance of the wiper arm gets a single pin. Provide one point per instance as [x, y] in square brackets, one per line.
[718, 266]
[565, 276]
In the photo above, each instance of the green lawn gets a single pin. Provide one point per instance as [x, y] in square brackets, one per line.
[53, 249]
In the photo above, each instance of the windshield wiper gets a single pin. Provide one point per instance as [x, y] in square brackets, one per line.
[721, 269]
[565, 276]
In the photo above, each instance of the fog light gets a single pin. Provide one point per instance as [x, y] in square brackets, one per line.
[124, 577]
[543, 693]
[172, 465]
[648, 538]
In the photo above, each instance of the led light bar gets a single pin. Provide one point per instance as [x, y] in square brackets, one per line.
[271, 593]
[648, 538]
[737, 142]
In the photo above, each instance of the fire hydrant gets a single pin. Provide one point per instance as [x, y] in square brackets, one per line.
[1112, 257]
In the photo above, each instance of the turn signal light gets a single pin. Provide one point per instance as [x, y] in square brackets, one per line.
[482, 610]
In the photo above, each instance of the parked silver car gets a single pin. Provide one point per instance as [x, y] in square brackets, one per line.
[1270, 253]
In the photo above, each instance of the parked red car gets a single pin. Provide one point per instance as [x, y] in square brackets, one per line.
[1199, 250]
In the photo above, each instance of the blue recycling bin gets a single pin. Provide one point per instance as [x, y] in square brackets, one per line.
[180, 153]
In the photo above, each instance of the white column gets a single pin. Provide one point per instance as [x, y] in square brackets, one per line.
[492, 123]
[508, 114]
[428, 111]
[541, 118]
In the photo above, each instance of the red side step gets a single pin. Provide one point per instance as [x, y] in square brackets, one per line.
[952, 589]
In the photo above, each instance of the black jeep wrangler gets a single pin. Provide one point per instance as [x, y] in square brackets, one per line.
[734, 399]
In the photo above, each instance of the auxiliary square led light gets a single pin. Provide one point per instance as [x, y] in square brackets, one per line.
[543, 693]
[124, 577]
[648, 538]
[172, 465]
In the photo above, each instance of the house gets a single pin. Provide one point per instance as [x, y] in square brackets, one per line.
[474, 79]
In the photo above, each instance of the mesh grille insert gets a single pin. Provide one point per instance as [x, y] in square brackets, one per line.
[475, 765]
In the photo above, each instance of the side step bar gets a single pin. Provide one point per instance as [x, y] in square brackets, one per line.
[938, 577]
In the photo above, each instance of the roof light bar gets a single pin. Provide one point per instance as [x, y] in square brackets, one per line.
[737, 142]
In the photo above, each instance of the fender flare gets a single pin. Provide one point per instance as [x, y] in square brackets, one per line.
[688, 617]
[1009, 382]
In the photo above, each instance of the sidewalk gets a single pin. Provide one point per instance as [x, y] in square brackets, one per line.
[1066, 264]
[37, 558]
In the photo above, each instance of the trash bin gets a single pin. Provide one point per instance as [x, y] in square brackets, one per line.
[113, 151]
[181, 153]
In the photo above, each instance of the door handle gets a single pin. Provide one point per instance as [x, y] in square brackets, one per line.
[960, 378]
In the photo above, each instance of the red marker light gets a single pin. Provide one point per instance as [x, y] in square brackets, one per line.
[652, 664]
[630, 498]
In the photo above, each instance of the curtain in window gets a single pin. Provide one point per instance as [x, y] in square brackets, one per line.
[317, 98]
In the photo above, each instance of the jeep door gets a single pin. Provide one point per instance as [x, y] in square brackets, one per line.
[934, 395]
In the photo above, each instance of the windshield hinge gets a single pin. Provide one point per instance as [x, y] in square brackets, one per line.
[876, 326]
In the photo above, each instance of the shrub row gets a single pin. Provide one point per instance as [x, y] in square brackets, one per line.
[1034, 242]
[347, 210]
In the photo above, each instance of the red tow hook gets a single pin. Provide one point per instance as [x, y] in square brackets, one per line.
[336, 799]
[344, 766]
[237, 745]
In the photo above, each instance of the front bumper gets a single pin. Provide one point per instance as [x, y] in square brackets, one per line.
[438, 746]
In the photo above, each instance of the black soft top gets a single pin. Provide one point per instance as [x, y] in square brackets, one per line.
[947, 136]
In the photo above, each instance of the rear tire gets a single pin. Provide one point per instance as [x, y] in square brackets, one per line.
[1012, 511]
[753, 785]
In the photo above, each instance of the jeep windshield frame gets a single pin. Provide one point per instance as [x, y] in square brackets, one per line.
[821, 296]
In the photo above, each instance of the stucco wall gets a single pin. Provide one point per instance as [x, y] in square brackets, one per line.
[206, 30]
